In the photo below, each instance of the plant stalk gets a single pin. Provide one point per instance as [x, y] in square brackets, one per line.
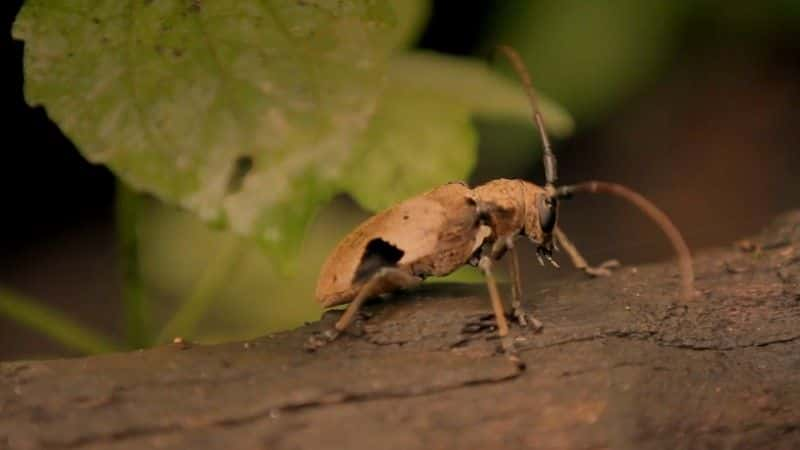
[54, 324]
[136, 309]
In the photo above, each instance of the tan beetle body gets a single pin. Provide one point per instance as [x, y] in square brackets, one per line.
[433, 234]
[439, 231]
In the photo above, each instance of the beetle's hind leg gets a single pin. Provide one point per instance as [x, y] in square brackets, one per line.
[384, 280]
[603, 270]
[523, 318]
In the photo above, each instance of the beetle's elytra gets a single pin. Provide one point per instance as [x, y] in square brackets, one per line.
[452, 225]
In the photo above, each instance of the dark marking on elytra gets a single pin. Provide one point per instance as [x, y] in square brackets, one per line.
[377, 255]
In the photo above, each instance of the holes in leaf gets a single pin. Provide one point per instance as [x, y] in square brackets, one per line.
[241, 167]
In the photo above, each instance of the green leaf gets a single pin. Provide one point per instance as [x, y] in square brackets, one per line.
[243, 112]
[591, 55]
[412, 16]
[474, 83]
[422, 134]
[417, 140]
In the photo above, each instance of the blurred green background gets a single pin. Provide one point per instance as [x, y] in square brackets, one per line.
[694, 104]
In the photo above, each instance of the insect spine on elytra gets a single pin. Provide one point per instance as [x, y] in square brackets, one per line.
[453, 225]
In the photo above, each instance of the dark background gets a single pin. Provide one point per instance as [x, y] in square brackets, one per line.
[713, 140]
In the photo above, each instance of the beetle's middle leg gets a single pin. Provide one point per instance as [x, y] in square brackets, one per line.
[519, 314]
[603, 270]
[384, 280]
[485, 264]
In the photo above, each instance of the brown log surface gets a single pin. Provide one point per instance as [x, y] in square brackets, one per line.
[620, 363]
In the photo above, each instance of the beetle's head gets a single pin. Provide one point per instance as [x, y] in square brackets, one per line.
[541, 216]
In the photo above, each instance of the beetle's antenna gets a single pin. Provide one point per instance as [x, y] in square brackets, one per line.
[658, 216]
[548, 157]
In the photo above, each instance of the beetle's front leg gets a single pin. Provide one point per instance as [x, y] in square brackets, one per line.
[603, 270]
[517, 312]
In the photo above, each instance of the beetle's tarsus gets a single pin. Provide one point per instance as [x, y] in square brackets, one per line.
[482, 322]
[319, 340]
[519, 315]
[364, 315]
[541, 260]
[525, 319]
[510, 350]
[545, 253]
[603, 270]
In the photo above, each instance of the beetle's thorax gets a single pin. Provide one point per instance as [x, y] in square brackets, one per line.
[513, 208]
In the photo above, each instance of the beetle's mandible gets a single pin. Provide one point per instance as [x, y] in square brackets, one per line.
[452, 225]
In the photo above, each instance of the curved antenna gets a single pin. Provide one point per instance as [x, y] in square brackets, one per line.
[658, 216]
[548, 157]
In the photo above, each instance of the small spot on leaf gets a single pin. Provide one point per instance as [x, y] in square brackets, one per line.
[242, 166]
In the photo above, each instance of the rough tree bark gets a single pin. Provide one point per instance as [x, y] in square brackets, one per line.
[621, 363]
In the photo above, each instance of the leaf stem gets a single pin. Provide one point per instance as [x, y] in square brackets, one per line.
[52, 323]
[215, 275]
[136, 309]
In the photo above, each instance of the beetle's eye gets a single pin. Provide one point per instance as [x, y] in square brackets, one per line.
[547, 212]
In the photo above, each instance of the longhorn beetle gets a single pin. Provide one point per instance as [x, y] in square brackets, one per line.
[447, 227]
